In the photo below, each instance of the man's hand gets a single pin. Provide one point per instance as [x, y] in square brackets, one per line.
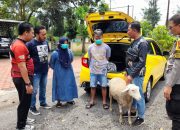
[167, 92]
[128, 79]
[29, 89]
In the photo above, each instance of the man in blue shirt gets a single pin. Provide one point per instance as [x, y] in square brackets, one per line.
[38, 49]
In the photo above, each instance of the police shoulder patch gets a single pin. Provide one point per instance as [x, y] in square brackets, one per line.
[177, 50]
[178, 44]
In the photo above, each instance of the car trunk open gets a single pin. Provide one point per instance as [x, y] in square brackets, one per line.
[113, 24]
[118, 55]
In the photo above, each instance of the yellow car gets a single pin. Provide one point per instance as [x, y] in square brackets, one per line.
[114, 26]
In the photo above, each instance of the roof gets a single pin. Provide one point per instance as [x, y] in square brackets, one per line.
[6, 25]
[10, 21]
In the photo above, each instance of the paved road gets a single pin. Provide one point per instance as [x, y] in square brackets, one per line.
[77, 117]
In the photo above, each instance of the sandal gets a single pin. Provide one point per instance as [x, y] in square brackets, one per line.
[89, 105]
[58, 105]
[105, 106]
[71, 102]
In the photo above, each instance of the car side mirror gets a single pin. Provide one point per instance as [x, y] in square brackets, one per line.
[165, 53]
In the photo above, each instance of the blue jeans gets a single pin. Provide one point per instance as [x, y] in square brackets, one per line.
[39, 82]
[139, 105]
[95, 78]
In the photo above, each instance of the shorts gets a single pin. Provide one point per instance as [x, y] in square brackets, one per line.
[98, 79]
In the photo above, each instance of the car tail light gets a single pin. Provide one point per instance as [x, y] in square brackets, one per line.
[84, 62]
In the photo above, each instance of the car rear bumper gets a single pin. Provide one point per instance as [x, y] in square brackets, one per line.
[4, 50]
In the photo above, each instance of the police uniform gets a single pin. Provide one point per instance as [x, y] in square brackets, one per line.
[173, 80]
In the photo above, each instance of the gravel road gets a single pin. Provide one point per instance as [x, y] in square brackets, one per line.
[76, 117]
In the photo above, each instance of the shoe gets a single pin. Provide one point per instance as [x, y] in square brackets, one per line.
[89, 105]
[58, 105]
[133, 114]
[27, 127]
[34, 111]
[71, 102]
[30, 121]
[139, 121]
[105, 106]
[46, 106]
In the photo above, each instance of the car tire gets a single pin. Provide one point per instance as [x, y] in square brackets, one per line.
[87, 89]
[148, 91]
[8, 55]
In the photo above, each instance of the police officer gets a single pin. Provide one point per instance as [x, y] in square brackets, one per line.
[172, 85]
[136, 59]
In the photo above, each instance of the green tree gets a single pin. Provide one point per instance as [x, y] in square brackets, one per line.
[78, 3]
[19, 9]
[53, 15]
[82, 8]
[146, 28]
[161, 35]
[4, 12]
[103, 6]
[34, 21]
[152, 13]
[71, 23]
[81, 12]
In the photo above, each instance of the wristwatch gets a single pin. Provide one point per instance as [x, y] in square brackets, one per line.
[28, 84]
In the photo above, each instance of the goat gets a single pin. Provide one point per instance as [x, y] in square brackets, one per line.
[123, 95]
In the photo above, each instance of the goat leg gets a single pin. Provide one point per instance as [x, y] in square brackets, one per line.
[129, 115]
[120, 116]
[110, 101]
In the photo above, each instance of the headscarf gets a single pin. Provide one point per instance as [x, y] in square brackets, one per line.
[64, 57]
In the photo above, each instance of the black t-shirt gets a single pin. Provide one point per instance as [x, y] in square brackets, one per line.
[39, 53]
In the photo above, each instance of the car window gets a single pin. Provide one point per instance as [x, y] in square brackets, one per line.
[150, 49]
[112, 26]
[156, 48]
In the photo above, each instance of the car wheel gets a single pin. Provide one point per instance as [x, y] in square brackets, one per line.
[148, 91]
[8, 55]
[87, 89]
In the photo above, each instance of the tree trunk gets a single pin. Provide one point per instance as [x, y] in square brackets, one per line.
[22, 10]
[28, 19]
[83, 45]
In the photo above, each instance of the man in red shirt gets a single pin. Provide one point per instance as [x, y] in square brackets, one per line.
[22, 72]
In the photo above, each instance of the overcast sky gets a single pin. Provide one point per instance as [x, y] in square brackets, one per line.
[140, 4]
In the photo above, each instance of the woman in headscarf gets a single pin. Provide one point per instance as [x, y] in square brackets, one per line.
[64, 84]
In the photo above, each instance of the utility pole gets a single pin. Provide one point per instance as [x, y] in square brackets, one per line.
[132, 10]
[128, 9]
[167, 17]
[110, 4]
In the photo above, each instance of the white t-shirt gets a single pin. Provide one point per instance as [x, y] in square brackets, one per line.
[98, 56]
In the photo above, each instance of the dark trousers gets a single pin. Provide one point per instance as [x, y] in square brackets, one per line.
[173, 107]
[24, 102]
[175, 124]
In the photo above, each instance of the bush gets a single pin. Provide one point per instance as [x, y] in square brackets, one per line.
[163, 38]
